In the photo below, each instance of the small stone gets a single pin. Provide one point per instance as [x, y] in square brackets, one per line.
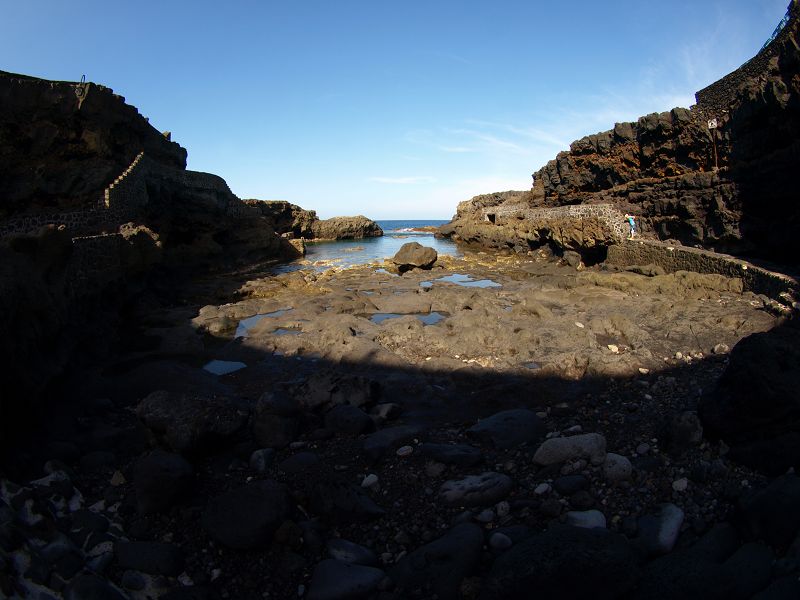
[678, 355]
[720, 349]
[542, 489]
[563, 449]
[118, 479]
[405, 451]
[485, 516]
[261, 459]
[369, 481]
[642, 449]
[680, 485]
[644, 371]
[614, 348]
[503, 509]
[617, 468]
[500, 541]
[579, 324]
[476, 490]
[588, 519]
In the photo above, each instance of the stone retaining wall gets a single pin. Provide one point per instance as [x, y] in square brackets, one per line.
[756, 279]
[613, 219]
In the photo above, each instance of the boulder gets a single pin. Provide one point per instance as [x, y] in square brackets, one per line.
[755, 407]
[476, 490]
[160, 480]
[442, 564]
[508, 428]
[345, 228]
[414, 255]
[565, 562]
[563, 449]
[246, 517]
[190, 422]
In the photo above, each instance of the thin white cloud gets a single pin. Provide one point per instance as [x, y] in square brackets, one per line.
[403, 180]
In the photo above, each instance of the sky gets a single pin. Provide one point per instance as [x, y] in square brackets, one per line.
[389, 109]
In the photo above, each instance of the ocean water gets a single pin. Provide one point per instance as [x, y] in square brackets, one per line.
[353, 252]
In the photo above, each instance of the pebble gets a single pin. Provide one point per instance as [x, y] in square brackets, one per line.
[680, 485]
[542, 489]
[118, 479]
[720, 349]
[261, 459]
[642, 449]
[644, 371]
[558, 450]
[617, 468]
[658, 533]
[614, 348]
[503, 509]
[476, 490]
[485, 516]
[579, 324]
[500, 541]
[405, 451]
[369, 481]
[333, 579]
[588, 519]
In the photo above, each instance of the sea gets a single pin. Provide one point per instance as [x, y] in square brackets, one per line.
[344, 253]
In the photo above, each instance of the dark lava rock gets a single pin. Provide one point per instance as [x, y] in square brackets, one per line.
[188, 423]
[442, 564]
[246, 517]
[345, 228]
[91, 587]
[414, 255]
[149, 557]
[161, 479]
[509, 428]
[348, 420]
[715, 567]
[328, 388]
[772, 514]
[476, 490]
[462, 455]
[683, 431]
[338, 580]
[297, 463]
[571, 484]
[565, 562]
[755, 407]
[275, 421]
[658, 533]
[351, 552]
[344, 502]
[381, 442]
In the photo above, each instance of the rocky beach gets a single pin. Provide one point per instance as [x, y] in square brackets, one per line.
[556, 407]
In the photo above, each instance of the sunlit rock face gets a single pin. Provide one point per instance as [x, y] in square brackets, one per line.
[720, 175]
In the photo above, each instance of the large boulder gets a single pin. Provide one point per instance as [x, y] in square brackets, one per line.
[189, 423]
[246, 517]
[565, 562]
[414, 255]
[345, 228]
[755, 407]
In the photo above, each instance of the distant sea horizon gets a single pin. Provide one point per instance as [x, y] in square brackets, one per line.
[399, 225]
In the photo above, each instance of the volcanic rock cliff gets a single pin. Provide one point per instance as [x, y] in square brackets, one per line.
[721, 175]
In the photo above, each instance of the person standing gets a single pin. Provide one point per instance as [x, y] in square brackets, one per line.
[632, 223]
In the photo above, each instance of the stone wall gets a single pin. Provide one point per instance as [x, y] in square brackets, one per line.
[607, 214]
[715, 100]
[756, 279]
[94, 264]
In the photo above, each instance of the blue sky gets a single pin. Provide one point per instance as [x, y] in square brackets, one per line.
[389, 109]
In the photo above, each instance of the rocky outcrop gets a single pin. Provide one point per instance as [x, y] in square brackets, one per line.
[414, 255]
[286, 218]
[61, 143]
[729, 187]
[345, 228]
[292, 221]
